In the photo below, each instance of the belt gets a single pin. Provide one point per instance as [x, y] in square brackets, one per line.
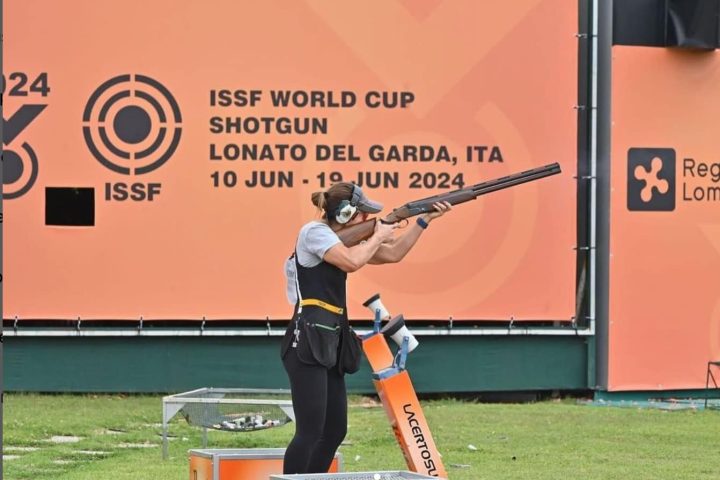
[319, 303]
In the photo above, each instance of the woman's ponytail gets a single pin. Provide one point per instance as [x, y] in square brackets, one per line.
[319, 199]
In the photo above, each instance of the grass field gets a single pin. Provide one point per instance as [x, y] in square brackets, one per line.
[120, 439]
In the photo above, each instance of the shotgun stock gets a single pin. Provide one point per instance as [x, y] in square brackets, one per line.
[354, 234]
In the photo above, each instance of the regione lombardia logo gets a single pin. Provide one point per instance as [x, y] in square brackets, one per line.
[651, 179]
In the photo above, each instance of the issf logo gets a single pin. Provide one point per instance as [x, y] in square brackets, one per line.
[132, 126]
[651, 179]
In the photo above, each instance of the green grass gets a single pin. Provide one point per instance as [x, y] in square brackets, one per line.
[547, 440]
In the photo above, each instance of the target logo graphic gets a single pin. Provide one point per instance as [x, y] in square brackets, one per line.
[132, 124]
[20, 165]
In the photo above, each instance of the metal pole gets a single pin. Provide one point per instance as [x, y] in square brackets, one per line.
[165, 453]
[600, 195]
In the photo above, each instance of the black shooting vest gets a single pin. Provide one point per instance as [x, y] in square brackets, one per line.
[315, 332]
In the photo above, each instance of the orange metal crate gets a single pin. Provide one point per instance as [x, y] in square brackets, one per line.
[241, 463]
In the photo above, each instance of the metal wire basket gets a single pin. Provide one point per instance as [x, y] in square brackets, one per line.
[228, 409]
[237, 417]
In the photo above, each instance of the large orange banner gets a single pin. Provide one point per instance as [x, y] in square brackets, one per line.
[665, 212]
[199, 131]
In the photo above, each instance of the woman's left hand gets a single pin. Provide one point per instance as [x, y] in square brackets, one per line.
[441, 208]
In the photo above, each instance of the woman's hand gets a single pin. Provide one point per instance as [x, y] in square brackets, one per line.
[395, 250]
[384, 231]
[350, 259]
[441, 208]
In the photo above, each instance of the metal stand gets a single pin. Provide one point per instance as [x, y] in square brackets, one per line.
[172, 404]
[708, 376]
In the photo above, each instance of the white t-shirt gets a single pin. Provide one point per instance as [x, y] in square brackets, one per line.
[314, 240]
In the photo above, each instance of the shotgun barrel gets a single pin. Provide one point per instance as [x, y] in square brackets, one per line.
[354, 234]
[462, 195]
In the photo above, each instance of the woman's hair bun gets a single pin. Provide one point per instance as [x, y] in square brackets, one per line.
[319, 199]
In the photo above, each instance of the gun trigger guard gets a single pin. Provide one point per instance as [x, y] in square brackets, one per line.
[403, 222]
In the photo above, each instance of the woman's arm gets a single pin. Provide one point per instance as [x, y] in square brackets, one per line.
[350, 259]
[396, 251]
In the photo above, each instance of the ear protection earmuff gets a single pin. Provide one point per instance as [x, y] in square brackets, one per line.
[348, 208]
[345, 212]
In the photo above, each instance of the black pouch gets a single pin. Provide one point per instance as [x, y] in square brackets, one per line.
[319, 337]
[350, 350]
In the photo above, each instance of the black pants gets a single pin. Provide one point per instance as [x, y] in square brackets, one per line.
[320, 405]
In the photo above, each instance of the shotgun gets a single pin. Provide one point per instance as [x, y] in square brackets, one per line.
[354, 234]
